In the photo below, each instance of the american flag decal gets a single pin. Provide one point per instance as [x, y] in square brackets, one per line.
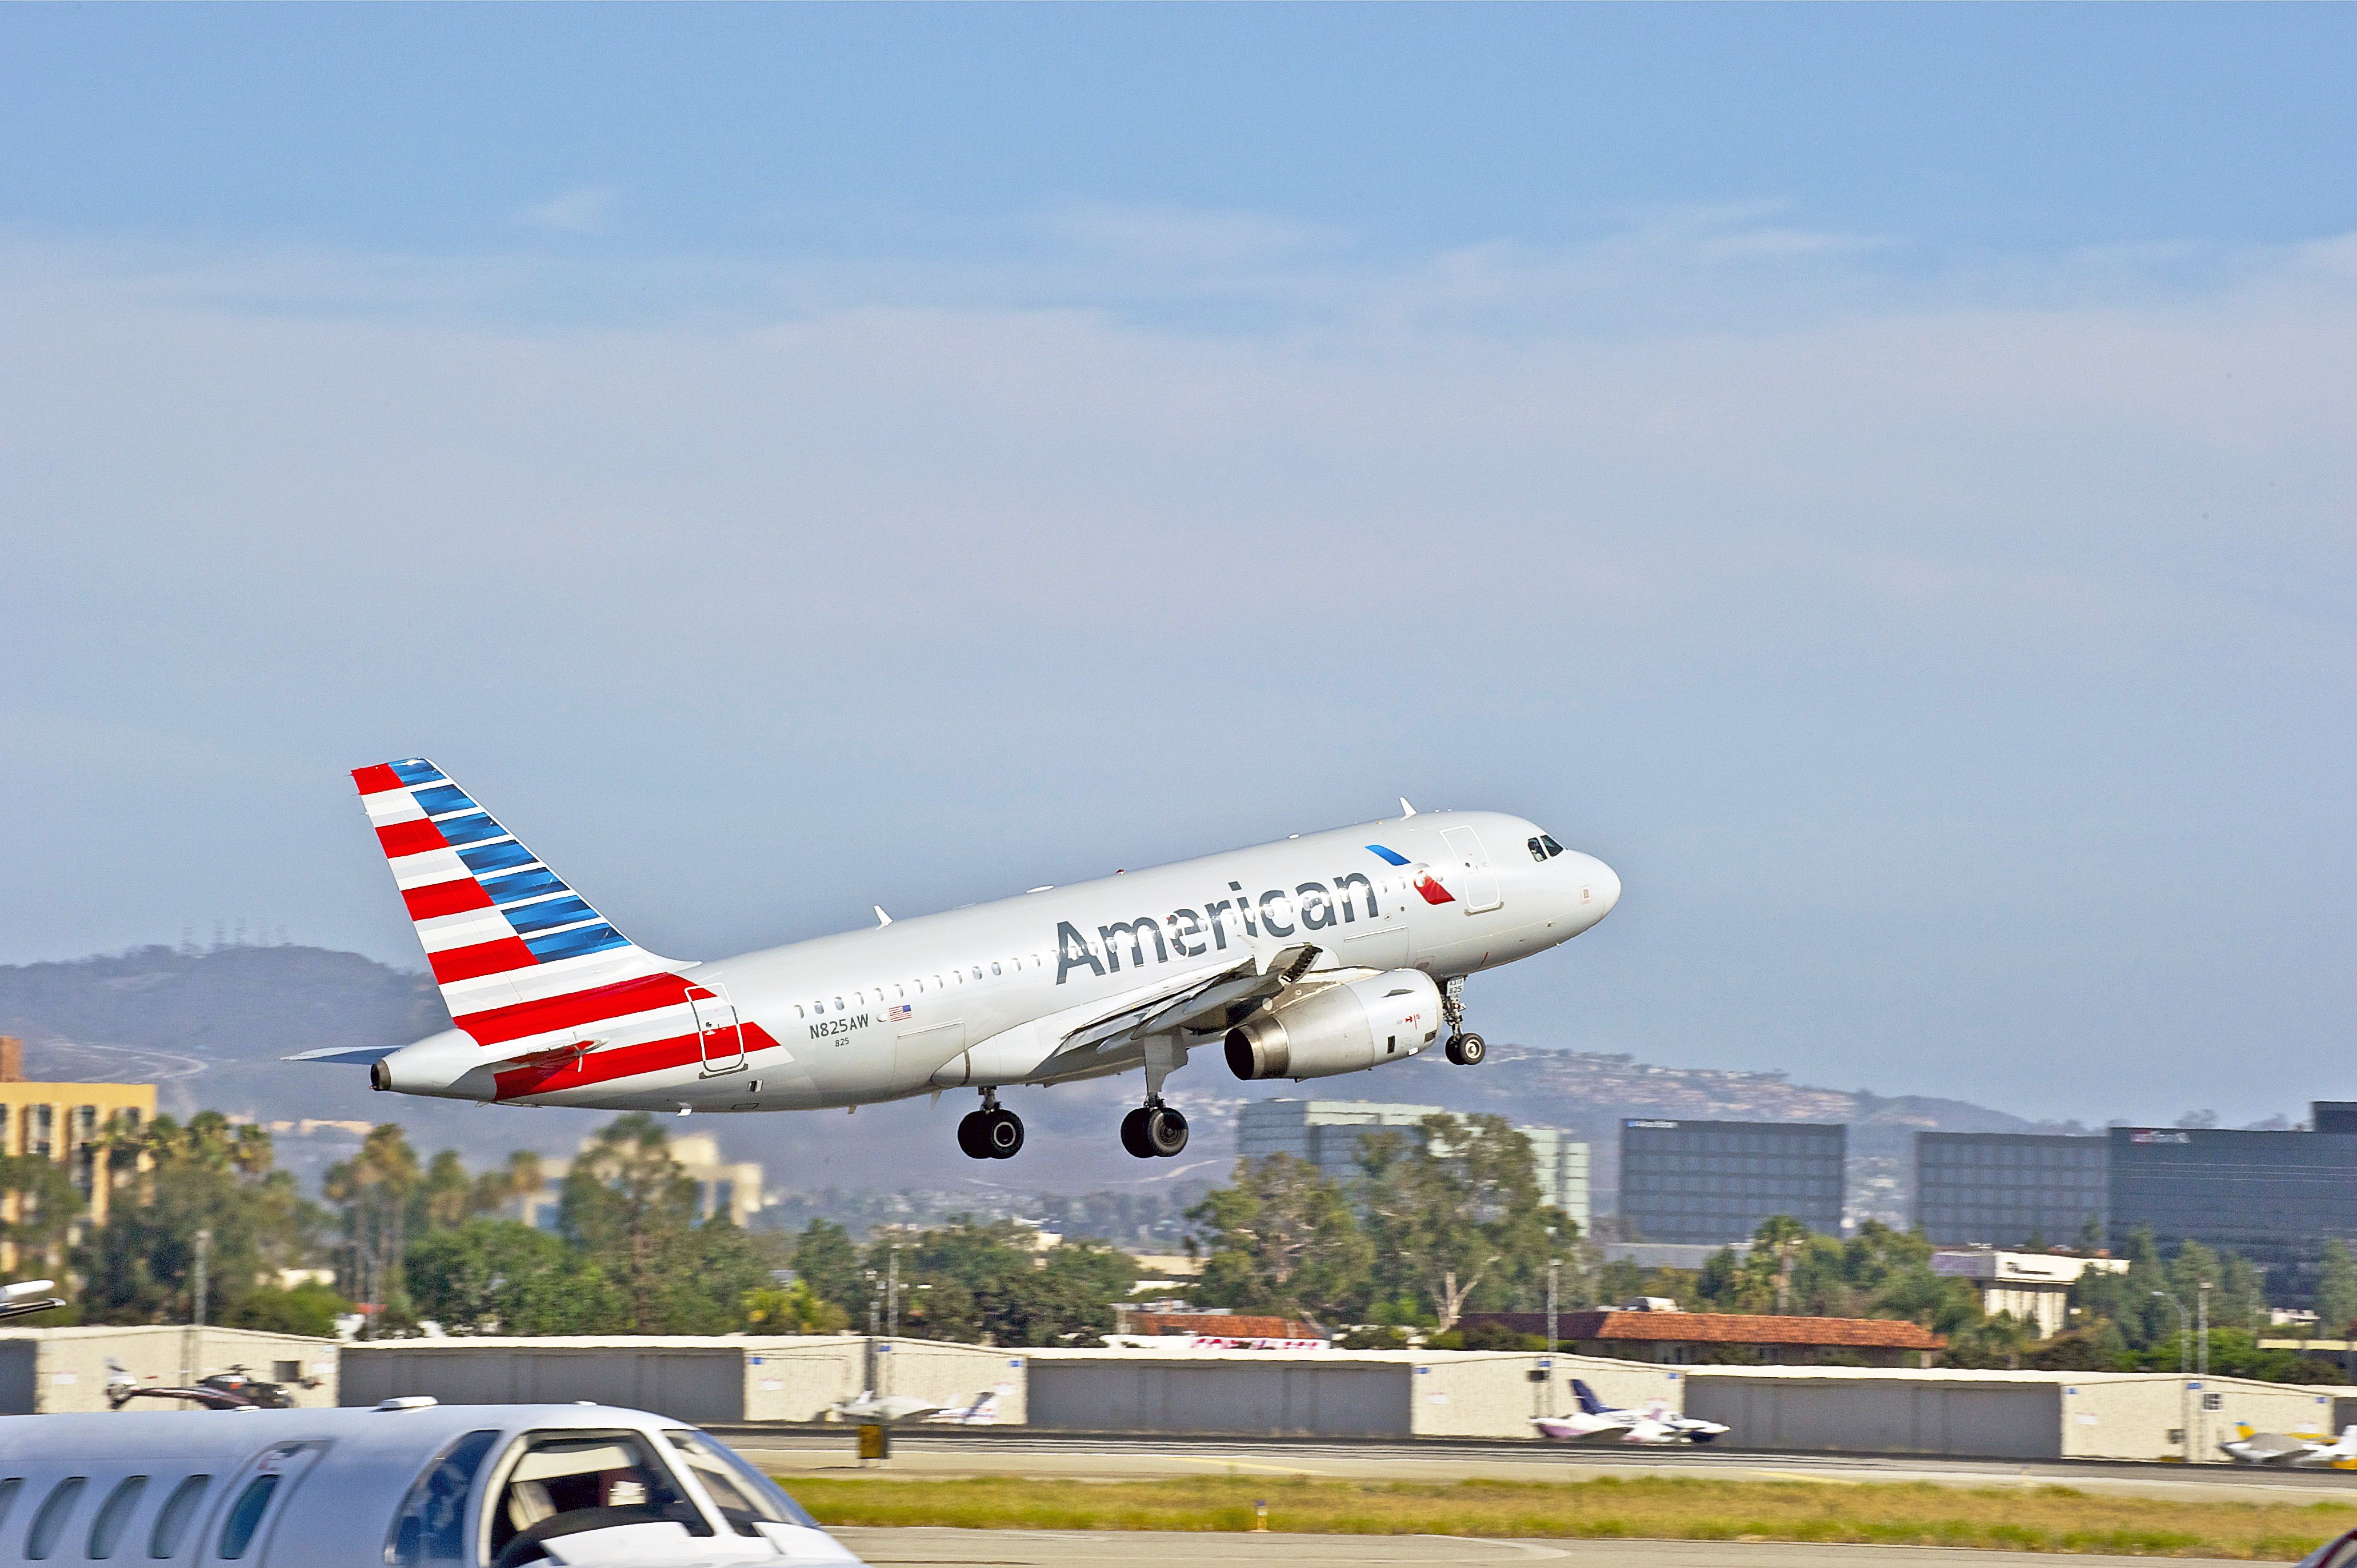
[899, 1015]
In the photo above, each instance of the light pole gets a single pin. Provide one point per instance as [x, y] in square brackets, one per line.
[1555, 1267]
[204, 1256]
[2201, 1313]
[2184, 1353]
[2184, 1393]
[892, 1294]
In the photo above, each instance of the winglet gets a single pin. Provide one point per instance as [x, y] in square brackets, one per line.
[1407, 810]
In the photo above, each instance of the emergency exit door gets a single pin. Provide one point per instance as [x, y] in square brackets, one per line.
[716, 1030]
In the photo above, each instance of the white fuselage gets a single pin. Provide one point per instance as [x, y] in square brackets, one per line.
[987, 996]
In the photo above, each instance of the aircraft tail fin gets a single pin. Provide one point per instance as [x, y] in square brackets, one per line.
[500, 927]
[1588, 1402]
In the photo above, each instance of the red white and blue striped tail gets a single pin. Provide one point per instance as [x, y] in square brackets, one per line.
[501, 931]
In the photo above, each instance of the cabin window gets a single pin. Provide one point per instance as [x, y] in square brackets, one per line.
[172, 1520]
[114, 1514]
[430, 1531]
[244, 1519]
[51, 1522]
[994, 966]
[562, 1482]
[977, 971]
[901, 992]
[798, 1010]
[744, 1496]
[839, 1003]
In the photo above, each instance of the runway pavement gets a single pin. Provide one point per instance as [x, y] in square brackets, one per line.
[919, 1452]
[1144, 1549]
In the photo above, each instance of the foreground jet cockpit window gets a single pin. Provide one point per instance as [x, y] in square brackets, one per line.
[431, 1528]
[563, 1483]
[744, 1496]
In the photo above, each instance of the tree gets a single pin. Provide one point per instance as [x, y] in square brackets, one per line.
[374, 1188]
[828, 1262]
[1281, 1239]
[2336, 1289]
[1455, 1210]
[43, 1202]
[630, 1208]
[792, 1309]
[1781, 1237]
[211, 1175]
[498, 1276]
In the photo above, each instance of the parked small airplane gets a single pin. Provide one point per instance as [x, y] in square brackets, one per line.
[1325, 953]
[887, 1408]
[27, 1297]
[1656, 1424]
[409, 1483]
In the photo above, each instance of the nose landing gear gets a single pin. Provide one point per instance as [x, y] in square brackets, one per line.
[1464, 1049]
[1154, 1130]
[992, 1132]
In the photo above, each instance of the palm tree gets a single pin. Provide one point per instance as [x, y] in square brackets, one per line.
[1781, 1237]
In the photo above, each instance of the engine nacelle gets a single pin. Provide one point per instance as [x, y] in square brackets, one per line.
[1343, 1028]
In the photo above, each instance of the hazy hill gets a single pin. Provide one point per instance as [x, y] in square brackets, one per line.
[209, 1027]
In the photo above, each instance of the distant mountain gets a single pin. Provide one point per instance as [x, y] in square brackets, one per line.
[209, 1028]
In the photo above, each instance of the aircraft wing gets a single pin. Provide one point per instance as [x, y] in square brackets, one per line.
[353, 1055]
[1206, 1003]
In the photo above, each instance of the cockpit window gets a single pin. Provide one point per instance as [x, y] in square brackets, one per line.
[744, 1496]
[1538, 850]
[563, 1483]
[1552, 848]
[431, 1528]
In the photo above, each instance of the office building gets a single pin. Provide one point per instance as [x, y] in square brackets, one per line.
[2272, 1197]
[1708, 1182]
[71, 1123]
[2002, 1189]
[1326, 1133]
[2035, 1288]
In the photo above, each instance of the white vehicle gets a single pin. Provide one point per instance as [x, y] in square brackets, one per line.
[409, 1484]
[1655, 1423]
[1325, 953]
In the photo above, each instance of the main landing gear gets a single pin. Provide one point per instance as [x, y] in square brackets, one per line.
[1154, 1130]
[1464, 1049]
[992, 1132]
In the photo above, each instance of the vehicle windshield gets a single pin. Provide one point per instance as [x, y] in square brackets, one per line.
[2339, 1552]
[565, 1483]
[744, 1496]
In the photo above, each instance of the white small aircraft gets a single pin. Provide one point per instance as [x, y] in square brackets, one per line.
[408, 1484]
[890, 1408]
[29, 1296]
[1656, 1424]
[2249, 1446]
[1328, 952]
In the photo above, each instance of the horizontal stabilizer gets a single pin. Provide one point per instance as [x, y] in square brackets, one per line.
[349, 1055]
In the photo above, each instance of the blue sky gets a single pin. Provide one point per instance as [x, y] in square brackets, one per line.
[1880, 476]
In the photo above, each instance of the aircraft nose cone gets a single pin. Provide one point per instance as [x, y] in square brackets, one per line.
[1603, 885]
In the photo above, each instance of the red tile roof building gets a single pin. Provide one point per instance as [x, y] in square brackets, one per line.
[1689, 1337]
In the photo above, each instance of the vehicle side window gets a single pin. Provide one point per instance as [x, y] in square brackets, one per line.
[112, 1515]
[172, 1520]
[51, 1522]
[431, 1528]
[566, 1483]
[8, 1490]
[245, 1517]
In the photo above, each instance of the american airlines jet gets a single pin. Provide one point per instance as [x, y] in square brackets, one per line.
[1325, 953]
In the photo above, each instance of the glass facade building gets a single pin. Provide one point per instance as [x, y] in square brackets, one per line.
[2272, 1197]
[1713, 1182]
[2007, 1188]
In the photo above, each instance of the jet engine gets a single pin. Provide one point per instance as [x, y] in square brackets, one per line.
[1342, 1028]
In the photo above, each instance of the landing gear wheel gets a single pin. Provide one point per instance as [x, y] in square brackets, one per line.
[970, 1139]
[1469, 1050]
[1165, 1131]
[1448, 1049]
[1002, 1133]
[1133, 1133]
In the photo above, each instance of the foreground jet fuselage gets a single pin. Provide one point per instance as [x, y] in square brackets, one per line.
[1325, 953]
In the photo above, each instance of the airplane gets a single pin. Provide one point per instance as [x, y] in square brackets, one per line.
[1656, 1424]
[1323, 953]
[2248, 1446]
[889, 1408]
[27, 1297]
[408, 1482]
[983, 1412]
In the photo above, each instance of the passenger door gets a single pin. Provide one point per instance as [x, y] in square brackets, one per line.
[716, 1030]
[1470, 869]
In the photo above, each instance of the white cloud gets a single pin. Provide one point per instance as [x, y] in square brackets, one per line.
[586, 209]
